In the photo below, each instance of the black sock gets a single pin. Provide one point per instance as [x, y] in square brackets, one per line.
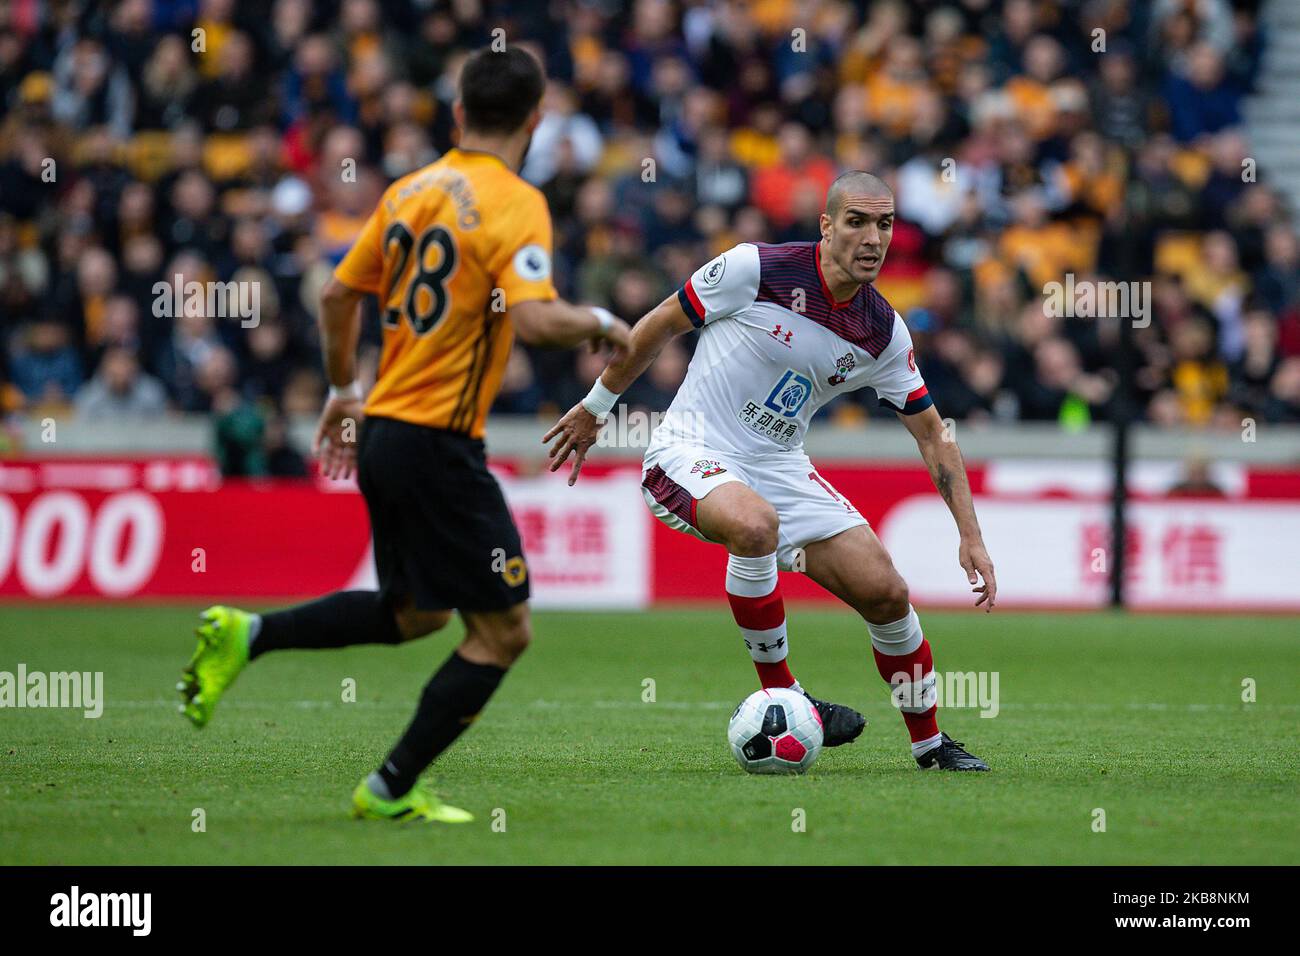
[341, 619]
[450, 702]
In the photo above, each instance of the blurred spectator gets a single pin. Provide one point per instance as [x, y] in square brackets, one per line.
[520, 394]
[282, 459]
[1284, 393]
[1252, 374]
[91, 89]
[561, 123]
[798, 170]
[1202, 98]
[1196, 482]
[45, 365]
[1199, 377]
[120, 390]
[1278, 279]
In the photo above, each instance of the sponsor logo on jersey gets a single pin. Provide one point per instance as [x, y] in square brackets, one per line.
[532, 263]
[707, 468]
[843, 365]
[768, 425]
[789, 394]
[782, 335]
[713, 271]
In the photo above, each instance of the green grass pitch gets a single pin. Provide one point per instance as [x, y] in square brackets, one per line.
[1140, 716]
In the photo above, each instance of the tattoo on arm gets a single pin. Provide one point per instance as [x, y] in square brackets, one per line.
[942, 481]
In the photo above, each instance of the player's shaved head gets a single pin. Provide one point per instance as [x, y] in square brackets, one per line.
[856, 184]
[856, 228]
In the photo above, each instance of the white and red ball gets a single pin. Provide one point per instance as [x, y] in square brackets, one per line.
[775, 731]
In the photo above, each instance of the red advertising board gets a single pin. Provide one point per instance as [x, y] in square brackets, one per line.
[165, 528]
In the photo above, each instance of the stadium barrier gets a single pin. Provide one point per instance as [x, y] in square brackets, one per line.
[169, 528]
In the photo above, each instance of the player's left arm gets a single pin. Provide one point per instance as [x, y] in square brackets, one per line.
[520, 267]
[948, 472]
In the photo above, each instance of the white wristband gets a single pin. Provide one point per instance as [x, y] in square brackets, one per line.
[600, 401]
[604, 317]
[351, 392]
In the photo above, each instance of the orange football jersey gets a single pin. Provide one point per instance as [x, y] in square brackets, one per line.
[449, 250]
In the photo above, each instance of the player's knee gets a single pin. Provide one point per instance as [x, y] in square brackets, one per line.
[502, 638]
[414, 623]
[889, 602]
[754, 532]
[516, 639]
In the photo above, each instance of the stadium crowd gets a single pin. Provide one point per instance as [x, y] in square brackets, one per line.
[220, 141]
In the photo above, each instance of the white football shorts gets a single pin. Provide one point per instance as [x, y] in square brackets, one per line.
[676, 477]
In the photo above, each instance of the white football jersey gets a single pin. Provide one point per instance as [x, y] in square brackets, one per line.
[775, 347]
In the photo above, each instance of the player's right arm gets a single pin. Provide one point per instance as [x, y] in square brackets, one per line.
[358, 275]
[579, 428]
[720, 288]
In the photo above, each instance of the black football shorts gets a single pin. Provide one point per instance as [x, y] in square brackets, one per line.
[443, 535]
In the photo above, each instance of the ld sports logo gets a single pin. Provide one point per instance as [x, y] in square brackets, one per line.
[789, 394]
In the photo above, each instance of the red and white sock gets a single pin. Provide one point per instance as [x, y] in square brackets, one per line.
[903, 658]
[755, 596]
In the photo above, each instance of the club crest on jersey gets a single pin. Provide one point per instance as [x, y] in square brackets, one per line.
[782, 335]
[789, 394]
[515, 571]
[843, 365]
[707, 468]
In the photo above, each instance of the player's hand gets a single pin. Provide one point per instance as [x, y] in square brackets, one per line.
[975, 561]
[578, 431]
[614, 339]
[335, 442]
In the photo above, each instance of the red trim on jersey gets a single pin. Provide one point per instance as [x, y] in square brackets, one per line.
[917, 393]
[826, 290]
[695, 300]
[671, 495]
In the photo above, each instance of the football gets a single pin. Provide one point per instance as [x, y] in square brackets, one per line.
[775, 731]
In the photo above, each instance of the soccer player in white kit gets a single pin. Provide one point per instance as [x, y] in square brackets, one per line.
[785, 329]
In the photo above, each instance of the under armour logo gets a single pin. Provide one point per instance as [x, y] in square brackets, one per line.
[783, 337]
